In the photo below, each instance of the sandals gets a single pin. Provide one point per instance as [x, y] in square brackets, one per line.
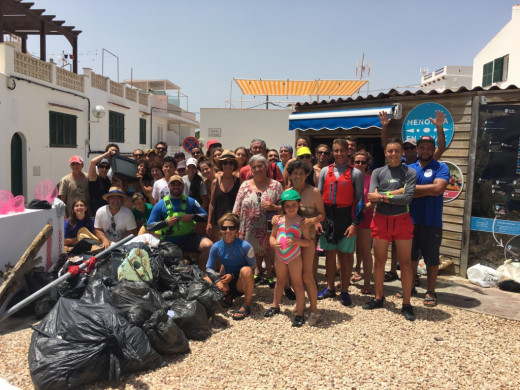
[400, 294]
[241, 313]
[390, 276]
[430, 299]
[417, 280]
[356, 277]
[367, 291]
[272, 311]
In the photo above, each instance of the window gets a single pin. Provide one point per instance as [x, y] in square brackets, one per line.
[62, 130]
[495, 71]
[142, 131]
[116, 127]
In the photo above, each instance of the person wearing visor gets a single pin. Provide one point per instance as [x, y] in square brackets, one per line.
[303, 153]
[175, 216]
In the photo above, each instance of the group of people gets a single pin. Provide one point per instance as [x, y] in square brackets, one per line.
[258, 215]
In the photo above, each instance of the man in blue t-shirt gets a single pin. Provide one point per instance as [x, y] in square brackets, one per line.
[175, 217]
[426, 212]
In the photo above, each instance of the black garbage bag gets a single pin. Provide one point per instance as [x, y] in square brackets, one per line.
[74, 287]
[80, 342]
[206, 293]
[36, 279]
[164, 335]
[107, 267]
[191, 317]
[170, 253]
[98, 291]
[136, 301]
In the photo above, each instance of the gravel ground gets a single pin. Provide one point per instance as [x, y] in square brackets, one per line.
[445, 348]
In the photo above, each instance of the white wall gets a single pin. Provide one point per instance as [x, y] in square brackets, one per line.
[239, 126]
[507, 41]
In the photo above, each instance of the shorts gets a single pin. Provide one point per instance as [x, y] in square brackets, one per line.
[427, 241]
[190, 243]
[392, 227]
[346, 245]
[233, 286]
[367, 219]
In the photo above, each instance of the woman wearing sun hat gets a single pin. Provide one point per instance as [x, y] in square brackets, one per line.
[224, 190]
[114, 221]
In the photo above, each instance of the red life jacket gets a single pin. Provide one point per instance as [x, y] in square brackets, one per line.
[338, 192]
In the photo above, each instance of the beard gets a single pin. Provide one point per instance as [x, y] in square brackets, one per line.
[426, 158]
[176, 192]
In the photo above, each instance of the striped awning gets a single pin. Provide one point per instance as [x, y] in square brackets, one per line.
[299, 88]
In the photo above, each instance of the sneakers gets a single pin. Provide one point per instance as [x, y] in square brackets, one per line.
[289, 293]
[257, 279]
[272, 311]
[326, 294]
[373, 304]
[298, 321]
[407, 312]
[345, 299]
[271, 282]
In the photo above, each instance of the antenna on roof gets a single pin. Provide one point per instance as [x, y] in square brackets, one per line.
[363, 68]
[423, 71]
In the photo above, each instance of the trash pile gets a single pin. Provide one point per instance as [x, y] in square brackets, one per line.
[506, 277]
[139, 303]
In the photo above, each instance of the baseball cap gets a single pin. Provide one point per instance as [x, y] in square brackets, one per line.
[411, 141]
[426, 138]
[179, 154]
[76, 159]
[192, 161]
[181, 164]
[176, 178]
[212, 142]
[290, 195]
[303, 151]
[103, 161]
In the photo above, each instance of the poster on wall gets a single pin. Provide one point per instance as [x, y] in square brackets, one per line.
[495, 214]
[455, 184]
[417, 123]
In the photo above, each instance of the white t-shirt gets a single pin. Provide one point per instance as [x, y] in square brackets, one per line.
[124, 220]
[160, 189]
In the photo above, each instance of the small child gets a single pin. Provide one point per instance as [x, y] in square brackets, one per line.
[287, 239]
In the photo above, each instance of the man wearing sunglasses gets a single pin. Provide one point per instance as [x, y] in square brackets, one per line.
[175, 216]
[322, 161]
[98, 181]
[304, 154]
[138, 155]
[161, 148]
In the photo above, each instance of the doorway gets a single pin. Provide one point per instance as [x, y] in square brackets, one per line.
[17, 165]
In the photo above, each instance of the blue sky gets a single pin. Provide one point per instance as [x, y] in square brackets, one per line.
[202, 45]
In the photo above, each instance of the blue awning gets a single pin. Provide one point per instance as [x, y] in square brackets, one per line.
[362, 118]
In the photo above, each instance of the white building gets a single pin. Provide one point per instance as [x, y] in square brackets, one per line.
[448, 77]
[47, 116]
[498, 63]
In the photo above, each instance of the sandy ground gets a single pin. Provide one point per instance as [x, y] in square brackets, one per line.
[445, 348]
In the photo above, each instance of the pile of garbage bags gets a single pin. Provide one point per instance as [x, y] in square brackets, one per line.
[506, 277]
[138, 304]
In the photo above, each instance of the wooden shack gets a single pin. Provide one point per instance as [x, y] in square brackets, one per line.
[464, 106]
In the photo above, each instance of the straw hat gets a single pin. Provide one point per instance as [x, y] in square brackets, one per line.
[114, 191]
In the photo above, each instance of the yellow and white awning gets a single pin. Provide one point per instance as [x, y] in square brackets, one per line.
[300, 88]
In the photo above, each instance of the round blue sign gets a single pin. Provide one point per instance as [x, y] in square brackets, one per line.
[417, 123]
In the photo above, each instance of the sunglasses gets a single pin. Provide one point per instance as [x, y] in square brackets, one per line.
[104, 167]
[324, 153]
[196, 153]
[304, 157]
[409, 147]
[160, 148]
[227, 162]
[113, 224]
[226, 228]
[139, 155]
[360, 162]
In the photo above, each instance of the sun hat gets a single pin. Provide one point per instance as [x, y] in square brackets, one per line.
[76, 159]
[304, 150]
[192, 161]
[290, 195]
[411, 141]
[426, 138]
[176, 178]
[114, 191]
[228, 155]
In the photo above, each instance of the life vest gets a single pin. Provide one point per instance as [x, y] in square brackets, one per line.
[338, 192]
[180, 228]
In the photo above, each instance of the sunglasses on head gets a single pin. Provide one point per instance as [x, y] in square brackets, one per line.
[227, 162]
[325, 153]
[360, 162]
[411, 147]
[304, 157]
[230, 228]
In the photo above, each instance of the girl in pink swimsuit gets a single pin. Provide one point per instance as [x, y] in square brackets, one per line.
[287, 239]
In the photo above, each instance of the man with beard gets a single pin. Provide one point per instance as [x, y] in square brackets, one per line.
[175, 216]
[426, 212]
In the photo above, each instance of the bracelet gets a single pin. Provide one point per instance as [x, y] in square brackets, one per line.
[381, 199]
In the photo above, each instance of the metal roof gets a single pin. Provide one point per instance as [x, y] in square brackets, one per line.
[394, 93]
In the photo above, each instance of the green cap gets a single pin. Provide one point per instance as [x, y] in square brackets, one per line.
[290, 195]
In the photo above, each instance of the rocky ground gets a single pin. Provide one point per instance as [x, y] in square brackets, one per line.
[445, 348]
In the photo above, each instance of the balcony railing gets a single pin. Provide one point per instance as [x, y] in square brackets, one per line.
[70, 80]
[32, 67]
[116, 88]
[98, 81]
[131, 94]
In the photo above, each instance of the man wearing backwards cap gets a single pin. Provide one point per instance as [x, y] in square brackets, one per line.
[426, 212]
[98, 181]
[114, 221]
[175, 216]
[74, 186]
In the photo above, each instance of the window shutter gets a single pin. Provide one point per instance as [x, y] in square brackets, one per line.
[498, 69]
[487, 74]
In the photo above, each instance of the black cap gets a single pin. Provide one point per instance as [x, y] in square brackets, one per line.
[426, 138]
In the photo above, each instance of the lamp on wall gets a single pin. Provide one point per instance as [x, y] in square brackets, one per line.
[98, 112]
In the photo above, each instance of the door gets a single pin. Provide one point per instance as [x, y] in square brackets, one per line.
[16, 165]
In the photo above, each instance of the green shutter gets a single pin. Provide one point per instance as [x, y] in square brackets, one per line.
[116, 127]
[487, 77]
[142, 131]
[62, 129]
[498, 68]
